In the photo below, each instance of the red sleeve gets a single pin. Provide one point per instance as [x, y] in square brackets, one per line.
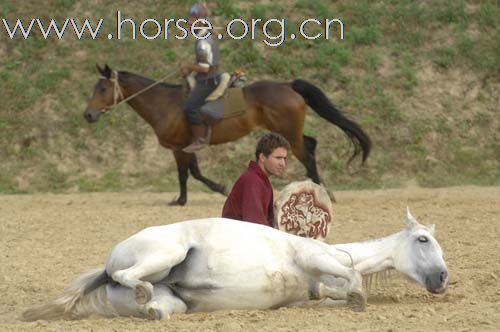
[254, 207]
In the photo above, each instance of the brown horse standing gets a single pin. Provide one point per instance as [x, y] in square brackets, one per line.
[277, 106]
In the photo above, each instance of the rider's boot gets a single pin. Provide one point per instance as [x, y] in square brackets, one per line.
[201, 138]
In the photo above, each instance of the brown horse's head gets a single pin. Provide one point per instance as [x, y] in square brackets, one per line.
[103, 96]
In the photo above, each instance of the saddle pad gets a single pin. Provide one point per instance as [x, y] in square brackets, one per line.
[230, 105]
[234, 103]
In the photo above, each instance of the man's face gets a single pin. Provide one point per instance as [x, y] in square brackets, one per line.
[275, 163]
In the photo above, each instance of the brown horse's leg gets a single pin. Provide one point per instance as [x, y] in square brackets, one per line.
[310, 159]
[310, 163]
[305, 151]
[195, 172]
[304, 148]
[182, 160]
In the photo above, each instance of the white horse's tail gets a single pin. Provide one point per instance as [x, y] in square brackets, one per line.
[85, 296]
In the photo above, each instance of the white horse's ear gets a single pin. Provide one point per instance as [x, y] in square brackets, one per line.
[432, 229]
[410, 220]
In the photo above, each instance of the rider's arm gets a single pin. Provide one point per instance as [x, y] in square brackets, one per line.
[205, 60]
[199, 68]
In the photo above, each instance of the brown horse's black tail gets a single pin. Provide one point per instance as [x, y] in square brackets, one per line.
[320, 103]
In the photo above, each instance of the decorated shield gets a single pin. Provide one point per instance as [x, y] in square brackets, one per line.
[303, 209]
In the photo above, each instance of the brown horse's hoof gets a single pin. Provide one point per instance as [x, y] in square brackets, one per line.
[224, 191]
[177, 202]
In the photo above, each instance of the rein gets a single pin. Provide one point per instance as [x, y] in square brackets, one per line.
[118, 94]
[348, 254]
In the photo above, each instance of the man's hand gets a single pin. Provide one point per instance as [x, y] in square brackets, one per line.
[186, 68]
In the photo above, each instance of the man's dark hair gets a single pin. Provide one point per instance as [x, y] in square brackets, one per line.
[270, 142]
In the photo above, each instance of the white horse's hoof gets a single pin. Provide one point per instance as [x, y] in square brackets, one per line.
[152, 312]
[357, 301]
[143, 293]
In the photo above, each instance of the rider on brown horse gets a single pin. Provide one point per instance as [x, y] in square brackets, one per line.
[206, 69]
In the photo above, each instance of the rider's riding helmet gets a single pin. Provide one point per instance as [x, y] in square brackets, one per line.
[198, 10]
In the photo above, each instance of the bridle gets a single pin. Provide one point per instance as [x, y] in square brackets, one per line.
[118, 97]
[117, 91]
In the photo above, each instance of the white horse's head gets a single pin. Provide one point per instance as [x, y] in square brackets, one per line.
[420, 256]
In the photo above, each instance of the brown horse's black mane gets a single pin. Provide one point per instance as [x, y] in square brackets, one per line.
[146, 81]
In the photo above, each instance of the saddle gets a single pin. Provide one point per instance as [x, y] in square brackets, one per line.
[226, 101]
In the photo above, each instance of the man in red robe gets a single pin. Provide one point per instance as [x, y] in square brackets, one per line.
[251, 198]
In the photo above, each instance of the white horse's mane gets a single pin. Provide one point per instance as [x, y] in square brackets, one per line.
[379, 279]
[383, 279]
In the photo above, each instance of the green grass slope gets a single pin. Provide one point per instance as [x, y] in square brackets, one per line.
[422, 78]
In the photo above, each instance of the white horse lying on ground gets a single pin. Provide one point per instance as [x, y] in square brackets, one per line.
[217, 263]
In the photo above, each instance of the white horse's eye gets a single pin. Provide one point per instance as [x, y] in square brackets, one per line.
[423, 239]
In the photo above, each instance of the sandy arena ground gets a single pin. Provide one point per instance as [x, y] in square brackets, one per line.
[46, 240]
